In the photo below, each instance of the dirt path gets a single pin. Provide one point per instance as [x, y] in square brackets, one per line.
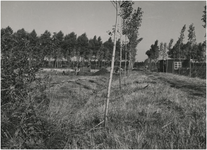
[193, 86]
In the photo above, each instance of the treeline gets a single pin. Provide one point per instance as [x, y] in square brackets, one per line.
[191, 50]
[56, 46]
[180, 50]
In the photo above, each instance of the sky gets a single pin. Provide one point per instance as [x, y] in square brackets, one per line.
[162, 20]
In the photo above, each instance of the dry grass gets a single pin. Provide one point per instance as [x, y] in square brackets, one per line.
[151, 113]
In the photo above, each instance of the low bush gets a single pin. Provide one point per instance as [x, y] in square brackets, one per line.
[23, 97]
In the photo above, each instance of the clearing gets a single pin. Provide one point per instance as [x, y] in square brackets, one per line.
[153, 110]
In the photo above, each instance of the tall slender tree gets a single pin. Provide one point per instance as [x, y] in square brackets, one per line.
[132, 26]
[100, 55]
[204, 17]
[180, 42]
[117, 53]
[57, 41]
[125, 13]
[34, 48]
[204, 20]
[82, 45]
[132, 23]
[169, 49]
[100, 50]
[126, 47]
[153, 53]
[162, 54]
[46, 46]
[192, 42]
[109, 46]
[200, 53]
[111, 71]
[69, 45]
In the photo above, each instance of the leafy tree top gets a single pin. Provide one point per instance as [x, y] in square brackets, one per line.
[204, 17]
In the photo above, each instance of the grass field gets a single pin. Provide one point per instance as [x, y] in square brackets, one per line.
[153, 110]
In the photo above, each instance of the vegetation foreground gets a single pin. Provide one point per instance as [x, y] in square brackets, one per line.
[153, 110]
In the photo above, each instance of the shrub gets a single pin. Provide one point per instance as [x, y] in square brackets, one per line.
[22, 125]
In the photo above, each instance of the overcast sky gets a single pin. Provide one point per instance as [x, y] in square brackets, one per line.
[162, 20]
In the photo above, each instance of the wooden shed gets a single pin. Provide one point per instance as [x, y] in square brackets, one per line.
[172, 65]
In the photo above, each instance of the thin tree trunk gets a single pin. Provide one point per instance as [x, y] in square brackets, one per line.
[49, 63]
[190, 69]
[120, 71]
[193, 61]
[129, 64]
[111, 74]
[190, 65]
[120, 64]
[125, 65]
[190, 62]
[54, 63]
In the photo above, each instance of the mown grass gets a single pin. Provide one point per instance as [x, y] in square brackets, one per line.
[149, 114]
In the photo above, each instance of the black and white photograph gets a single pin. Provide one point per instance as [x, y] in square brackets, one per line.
[110, 74]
